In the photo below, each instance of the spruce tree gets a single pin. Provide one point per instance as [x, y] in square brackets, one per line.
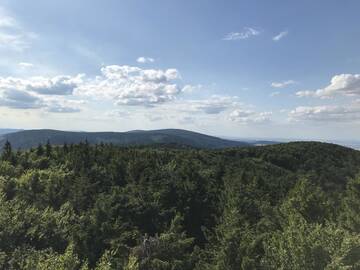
[7, 153]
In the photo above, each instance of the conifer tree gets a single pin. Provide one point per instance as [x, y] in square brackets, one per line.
[40, 150]
[7, 153]
[48, 148]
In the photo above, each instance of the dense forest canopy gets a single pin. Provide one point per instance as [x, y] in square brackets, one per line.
[286, 206]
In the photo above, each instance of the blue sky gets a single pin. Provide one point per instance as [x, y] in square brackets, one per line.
[270, 69]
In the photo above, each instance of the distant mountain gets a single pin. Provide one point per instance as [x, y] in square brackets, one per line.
[31, 138]
[8, 130]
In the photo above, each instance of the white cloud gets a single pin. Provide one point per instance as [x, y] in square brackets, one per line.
[306, 93]
[59, 85]
[214, 105]
[155, 92]
[133, 86]
[60, 109]
[280, 35]
[21, 99]
[25, 65]
[215, 108]
[249, 116]
[124, 85]
[245, 34]
[62, 106]
[343, 84]
[7, 21]
[39, 93]
[326, 113]
[144, 60]
[225, 107]
[282, 84]
[191, 88]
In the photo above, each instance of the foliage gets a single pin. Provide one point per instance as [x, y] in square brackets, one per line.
[103, 207]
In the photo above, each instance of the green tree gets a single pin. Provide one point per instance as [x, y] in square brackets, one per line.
[172, 250]
[309, 200]
[7, 153]
[301, 245]
[48, 148]
[350, 211]
[234, 244]
[40, 150]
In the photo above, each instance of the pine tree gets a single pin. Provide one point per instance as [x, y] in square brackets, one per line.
[233, 244]
[7, 153]
[40, 150]
[65, 148]
[48, 148]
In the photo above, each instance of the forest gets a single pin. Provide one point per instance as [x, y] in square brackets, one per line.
[81, 206]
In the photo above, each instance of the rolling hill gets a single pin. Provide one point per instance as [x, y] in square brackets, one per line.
[31, 138]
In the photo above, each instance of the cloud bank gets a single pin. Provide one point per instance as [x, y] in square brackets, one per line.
[326, 113]
[343, 84]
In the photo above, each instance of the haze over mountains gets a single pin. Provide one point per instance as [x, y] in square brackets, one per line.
[24, 139]
[8, 130]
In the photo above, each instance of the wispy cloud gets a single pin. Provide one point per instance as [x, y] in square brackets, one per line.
[274, 94]
[250, 117]
[25, 65]
[326, 113]
[245, 34]
[12, 35]
[280, 35]
[282, 84]
[191, 88]
[7, 21]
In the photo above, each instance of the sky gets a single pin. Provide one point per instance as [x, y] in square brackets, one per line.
[254, 69]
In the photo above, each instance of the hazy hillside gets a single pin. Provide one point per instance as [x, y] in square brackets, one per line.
[32, 138]
[8, 130]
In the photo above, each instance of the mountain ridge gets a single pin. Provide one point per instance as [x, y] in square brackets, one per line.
[31, 138]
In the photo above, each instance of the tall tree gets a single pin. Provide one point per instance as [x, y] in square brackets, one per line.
[7, 153]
